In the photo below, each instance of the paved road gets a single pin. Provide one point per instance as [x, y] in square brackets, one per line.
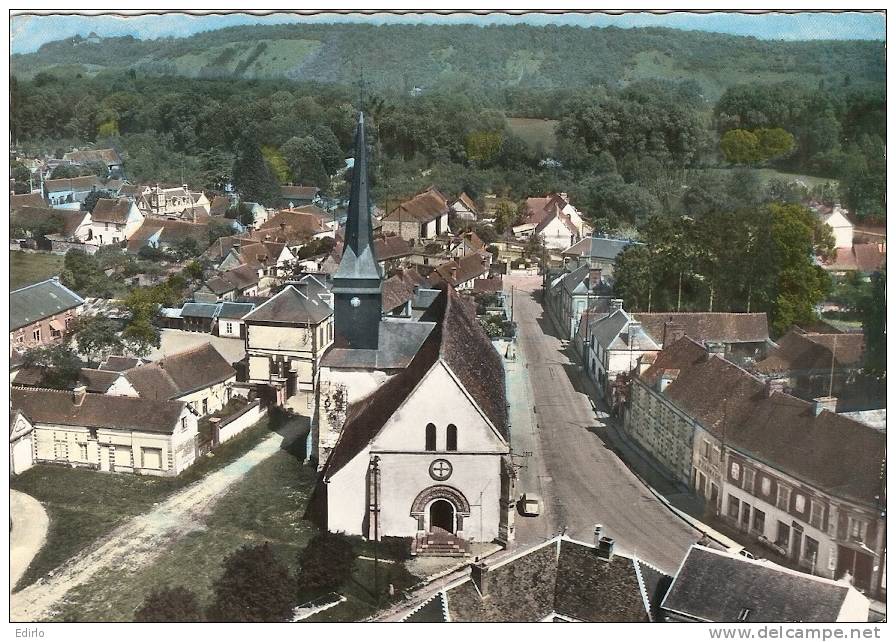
[140, 540]
[583, 482]
[29, 531]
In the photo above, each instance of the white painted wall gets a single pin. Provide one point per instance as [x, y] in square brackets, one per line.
[404, 464]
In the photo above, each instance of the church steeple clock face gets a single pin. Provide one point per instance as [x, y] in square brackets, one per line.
[355, 302]
[440, 469]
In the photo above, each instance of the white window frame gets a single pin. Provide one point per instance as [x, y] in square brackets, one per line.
[735, 471]
[783, 491]
[816, 509]
[766, 486]
[799, 503]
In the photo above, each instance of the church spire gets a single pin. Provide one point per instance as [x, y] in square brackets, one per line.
[358, 282]
[358, 227]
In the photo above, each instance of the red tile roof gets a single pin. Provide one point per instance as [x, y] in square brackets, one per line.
[424, 207]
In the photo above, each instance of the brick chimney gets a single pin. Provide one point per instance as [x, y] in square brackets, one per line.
[615, 304]
[824, 403]
[454, 273]
[594, 277]
[634, 328]
[598, 532]
[78, 394]
[479, 575]
[605, 548]
[772, 386]
[672, 332]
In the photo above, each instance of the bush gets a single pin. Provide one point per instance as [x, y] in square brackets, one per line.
[169, 604]
[325, 564]
[255, 587]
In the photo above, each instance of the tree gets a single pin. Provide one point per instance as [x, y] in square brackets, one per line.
[799, 284]
[141, 336]
[873, 309]
[255, 587]
[169, 604]
[325, 564]
[96, 337]
[219, 229]
[505, 217]
[774, 142]
[81, 273]
[741, 147]
[194, 270]
[252, 176]
[91, 199]
[59, 363]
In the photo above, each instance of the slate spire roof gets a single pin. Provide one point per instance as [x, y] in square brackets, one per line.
[358, 260]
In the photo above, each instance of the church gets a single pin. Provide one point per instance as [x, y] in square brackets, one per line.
[410, 430]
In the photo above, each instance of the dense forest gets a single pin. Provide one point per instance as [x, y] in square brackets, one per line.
[648, 122]
[469, 58]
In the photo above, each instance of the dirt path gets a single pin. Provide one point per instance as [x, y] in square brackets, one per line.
[137, 542]
[29, 532]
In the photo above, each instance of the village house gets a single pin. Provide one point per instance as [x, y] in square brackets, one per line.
[462, 273]
[71, 225]
[410, 422]
[120, 363]
[812, 364]
[106, 382]
[69, 193]
[838, 220]
[862, 258]
[200, 377]
[597, 251]
[236, 283]
[114, 221]
[108, 433]
[740, 336]
[108, 157]
[553, 218]
[799, 480]
[219, 206]
[570, 294]
[173, 202]
[34, 199]
[612, 343]
[423, 217]
[39, 314]
[286, 337]
[464, 208]
[400, 291]
[299, 195]
[560, 580]
[229, 319]
[718, 586]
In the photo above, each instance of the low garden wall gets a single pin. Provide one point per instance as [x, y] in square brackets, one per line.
[231, 426]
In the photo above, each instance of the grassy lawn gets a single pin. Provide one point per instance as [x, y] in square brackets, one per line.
[267, 505]
[26, 268]
[84, 505]
[766, 174]
[535, 132]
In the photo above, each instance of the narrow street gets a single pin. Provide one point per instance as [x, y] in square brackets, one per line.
[572, 464]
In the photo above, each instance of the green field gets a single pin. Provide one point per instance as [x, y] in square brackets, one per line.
[26, 268]
[767, 174]
[535, 132]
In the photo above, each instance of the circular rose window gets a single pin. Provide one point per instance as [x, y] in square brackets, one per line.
[440, 469]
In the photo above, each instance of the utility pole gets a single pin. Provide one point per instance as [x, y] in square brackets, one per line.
[511, 304]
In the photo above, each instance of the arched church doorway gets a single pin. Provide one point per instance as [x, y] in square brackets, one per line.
[441, 515]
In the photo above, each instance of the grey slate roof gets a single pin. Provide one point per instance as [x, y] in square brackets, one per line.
[561, 577]
[39, 301]
[399, 341]
[200, 310]
[599, 247]
[290, 306]
[230, 310]
[716, 586]
[612, 332]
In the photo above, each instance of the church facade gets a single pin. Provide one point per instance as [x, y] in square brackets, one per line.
[411, 432]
